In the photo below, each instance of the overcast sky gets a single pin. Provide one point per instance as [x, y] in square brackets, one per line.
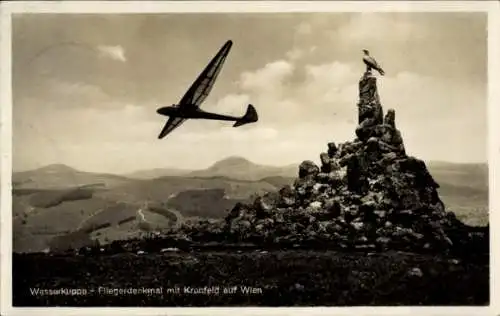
[86, 87]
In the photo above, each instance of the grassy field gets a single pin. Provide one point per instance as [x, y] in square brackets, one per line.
[278, 278]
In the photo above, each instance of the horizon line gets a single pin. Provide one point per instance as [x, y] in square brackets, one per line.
[217, 161]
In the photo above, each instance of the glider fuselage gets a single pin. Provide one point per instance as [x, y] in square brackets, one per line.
[189, 111]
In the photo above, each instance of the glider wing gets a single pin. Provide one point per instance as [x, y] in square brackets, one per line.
[172, 123]
[200, 89]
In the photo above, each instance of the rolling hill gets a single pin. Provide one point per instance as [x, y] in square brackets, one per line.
[243, 169]
[157, 173]
[473, 175]
[59, 176]
[233, 167]
[464, 189]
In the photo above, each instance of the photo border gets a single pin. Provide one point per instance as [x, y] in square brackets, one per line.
[492, 8]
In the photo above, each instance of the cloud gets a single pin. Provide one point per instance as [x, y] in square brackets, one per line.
[330, 82]
[325, 88]
[233, 104]
[229, 135]
[267, 78]
[113, 52]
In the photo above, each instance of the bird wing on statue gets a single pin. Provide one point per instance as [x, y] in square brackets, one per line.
[372, 63]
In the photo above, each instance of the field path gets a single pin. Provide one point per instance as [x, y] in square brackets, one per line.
[141, 215]
[88, 218]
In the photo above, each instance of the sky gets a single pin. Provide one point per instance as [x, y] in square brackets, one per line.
[86, 87]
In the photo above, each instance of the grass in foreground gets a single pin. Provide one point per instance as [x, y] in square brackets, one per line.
[280, 278]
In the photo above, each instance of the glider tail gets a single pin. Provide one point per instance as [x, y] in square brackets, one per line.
[249, 117]
[381, 71]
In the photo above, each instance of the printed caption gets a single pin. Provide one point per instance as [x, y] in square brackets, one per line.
[177, 290]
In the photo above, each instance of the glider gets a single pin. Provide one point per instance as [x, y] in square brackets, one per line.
[189, 105]
[371, 63]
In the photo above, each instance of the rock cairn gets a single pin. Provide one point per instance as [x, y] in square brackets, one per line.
[366, 194]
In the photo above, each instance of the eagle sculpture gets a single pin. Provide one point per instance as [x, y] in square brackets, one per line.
[371, 63]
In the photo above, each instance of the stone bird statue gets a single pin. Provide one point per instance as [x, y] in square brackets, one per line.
[371, 63]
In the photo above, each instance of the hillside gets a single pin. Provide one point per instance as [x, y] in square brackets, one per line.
[59, 176]
[210, 203]
[243, 169]
[162, 188]
[474, 176]
[111, 208]
[233, 167]
[157, 173]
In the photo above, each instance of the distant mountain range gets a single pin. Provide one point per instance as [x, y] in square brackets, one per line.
[237, 168]
[232, 167]
[242, 169]
[62, 176]
[157, 173]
